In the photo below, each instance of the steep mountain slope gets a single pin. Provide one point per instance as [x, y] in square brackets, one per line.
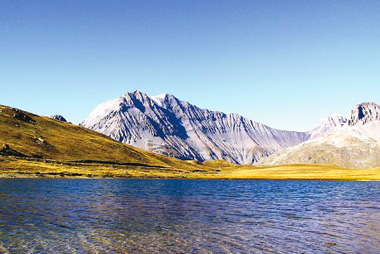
[167, 125]
[352, 145]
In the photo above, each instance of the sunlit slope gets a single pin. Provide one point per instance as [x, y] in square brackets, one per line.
[302, 172]
[349, 142]
[46, 138]
[348, 146]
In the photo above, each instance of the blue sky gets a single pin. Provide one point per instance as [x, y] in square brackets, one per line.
[283, 63]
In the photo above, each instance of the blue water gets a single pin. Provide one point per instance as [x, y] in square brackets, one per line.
[188, 216]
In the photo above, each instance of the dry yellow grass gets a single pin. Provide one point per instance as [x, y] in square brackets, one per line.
[304, 172]
[16, 167]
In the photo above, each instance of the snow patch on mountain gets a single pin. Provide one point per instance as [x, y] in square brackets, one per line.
[159, 99]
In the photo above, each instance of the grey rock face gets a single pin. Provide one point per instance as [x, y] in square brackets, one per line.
[167, 125]
[364, 113]
[327, 125]
[59, 118]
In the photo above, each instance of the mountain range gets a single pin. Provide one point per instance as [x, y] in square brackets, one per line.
[352, 142]
[166, 125]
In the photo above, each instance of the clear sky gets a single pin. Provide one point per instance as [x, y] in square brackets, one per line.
[285, 63]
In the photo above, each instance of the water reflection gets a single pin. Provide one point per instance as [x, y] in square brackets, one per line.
[182, 216]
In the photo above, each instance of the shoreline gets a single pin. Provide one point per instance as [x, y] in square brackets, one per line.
[27, 177]
[11, 168]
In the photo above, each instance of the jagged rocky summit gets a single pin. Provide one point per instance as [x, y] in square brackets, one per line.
[352, 142]
[364, 113]
[327, 125]
[164, 124]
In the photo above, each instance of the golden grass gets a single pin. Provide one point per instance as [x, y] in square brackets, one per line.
[16, 167]
[305, 172]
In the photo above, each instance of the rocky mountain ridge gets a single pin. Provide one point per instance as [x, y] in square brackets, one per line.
[354, 143]
[164, 124]
[327, 125]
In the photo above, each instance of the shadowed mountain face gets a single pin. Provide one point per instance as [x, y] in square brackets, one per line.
[350, 143]
[167, 125]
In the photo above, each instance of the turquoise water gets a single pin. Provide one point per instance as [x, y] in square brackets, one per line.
[188, 216]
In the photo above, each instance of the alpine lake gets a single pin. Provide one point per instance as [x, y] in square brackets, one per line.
[188, 216]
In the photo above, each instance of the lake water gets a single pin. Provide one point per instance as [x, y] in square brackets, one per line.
[188, 216]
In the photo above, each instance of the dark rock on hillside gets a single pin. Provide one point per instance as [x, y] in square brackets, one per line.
[59, 118]
[8, 151]
[20, 115]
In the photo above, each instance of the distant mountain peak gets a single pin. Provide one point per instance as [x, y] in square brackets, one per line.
[349, 146]
[333, 120]
[136, 95]
[328, 124]
[350, 143]
[364, 113]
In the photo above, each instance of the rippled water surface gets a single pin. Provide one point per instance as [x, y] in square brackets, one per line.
[188, 216]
